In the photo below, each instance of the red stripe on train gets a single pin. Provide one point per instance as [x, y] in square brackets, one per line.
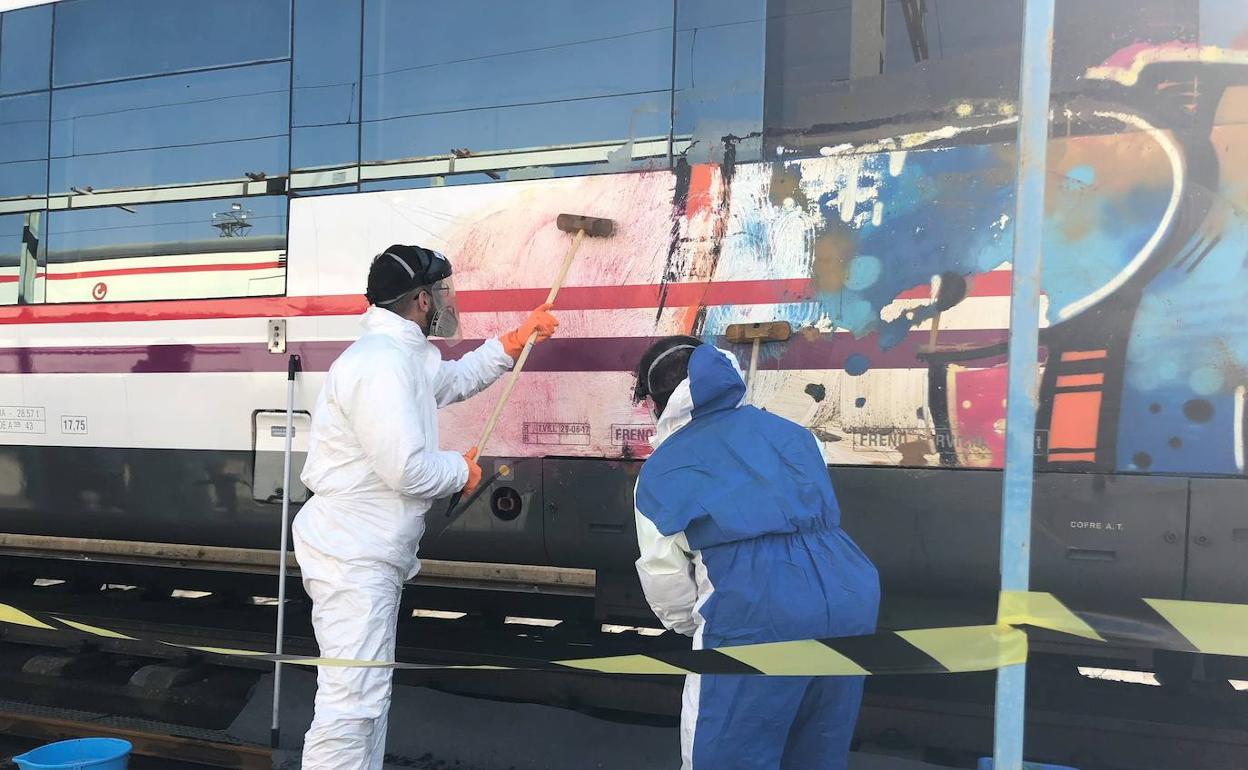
[146, 270]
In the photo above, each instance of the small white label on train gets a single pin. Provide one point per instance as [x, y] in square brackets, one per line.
[73, 423]
[23, 419]
[279, 431]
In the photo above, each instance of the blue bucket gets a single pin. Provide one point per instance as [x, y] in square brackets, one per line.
[986, 764]
[78, 754]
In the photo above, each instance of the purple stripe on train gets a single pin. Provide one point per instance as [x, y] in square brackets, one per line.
[583, 354]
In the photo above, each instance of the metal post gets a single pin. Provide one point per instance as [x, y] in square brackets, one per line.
[1022, 401]
[292, 367]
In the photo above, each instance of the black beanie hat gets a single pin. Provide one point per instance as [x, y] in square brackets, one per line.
[399, 269]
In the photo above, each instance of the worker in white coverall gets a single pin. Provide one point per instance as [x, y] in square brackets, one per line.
[375, 466]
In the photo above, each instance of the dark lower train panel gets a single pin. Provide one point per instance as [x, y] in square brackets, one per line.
[931, 532]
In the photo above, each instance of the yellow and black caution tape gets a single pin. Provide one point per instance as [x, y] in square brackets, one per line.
[1203, 627]
[1161, 624]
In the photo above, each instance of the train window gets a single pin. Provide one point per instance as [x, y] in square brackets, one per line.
[325, 122]
[720, 52]
[14, 244]
[833, 78]
[25, 49]
[99, 40]
[183, 250]
[174, 129]
[547, 77]
[831, 74]
[23, 145]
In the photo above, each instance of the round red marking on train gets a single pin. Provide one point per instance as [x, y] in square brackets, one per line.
[100, 290]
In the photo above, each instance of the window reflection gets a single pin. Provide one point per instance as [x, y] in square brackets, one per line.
[98, 41]
[194, 249]
[23, 145]
[25, 49]
[937, 56]
[537, 74]
[969, 51]
[197, 127]
[325, 121]
[720, 52]
[14, 242]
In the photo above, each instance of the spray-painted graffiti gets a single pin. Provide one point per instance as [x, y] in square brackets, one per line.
[891, 260]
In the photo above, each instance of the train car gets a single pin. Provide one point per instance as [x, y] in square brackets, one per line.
[197, 214]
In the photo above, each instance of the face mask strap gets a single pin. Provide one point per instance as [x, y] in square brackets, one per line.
[657, 359]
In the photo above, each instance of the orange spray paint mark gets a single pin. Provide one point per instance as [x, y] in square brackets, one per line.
[1080, 380]
[1083, 355]
[699, 189]
[1074, 421]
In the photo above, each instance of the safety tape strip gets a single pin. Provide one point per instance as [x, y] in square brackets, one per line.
[1161, 624]
[1168, 624]
[922, 651]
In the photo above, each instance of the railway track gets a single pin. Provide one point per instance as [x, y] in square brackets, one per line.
[168, 743]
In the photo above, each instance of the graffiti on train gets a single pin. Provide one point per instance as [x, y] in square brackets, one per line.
[891, 260]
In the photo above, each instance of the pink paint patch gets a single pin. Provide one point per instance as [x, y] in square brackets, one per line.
[1125, 57]
[979, 415]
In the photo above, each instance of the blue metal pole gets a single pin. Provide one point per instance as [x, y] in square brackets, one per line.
[1021, 394]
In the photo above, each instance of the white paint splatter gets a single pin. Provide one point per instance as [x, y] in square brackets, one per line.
[913, 140]
[1237, 425]
[896, 162]
[1175, 157]
[1002, 221]
[877, 213]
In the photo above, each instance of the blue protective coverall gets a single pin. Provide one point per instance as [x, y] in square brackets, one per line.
[740, 539]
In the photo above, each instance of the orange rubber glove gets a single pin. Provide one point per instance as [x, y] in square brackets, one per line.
[540, 321]
[474, 472]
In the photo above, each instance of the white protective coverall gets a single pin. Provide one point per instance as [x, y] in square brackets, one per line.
[375, 468]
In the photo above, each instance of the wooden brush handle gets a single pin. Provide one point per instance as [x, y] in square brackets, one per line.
[528, 346]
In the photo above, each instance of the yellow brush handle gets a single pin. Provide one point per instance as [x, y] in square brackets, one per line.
[528, 346]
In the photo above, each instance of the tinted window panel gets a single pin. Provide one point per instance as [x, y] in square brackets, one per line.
[23, 145]
[12, 234]
[325, 146]
[185, 250]
[327, 71]
[528, 75]
[968, 54]
[196, 127]
[106, 40]
[720, 52]
[25, 49]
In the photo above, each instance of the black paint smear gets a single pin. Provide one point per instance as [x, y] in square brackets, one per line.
[727, 169]
[816, 391]
[1142, 460]
[860, 402]
[1198, 410]
[1175, 442]
[919, 413]
[680, 202]
[1154, 408]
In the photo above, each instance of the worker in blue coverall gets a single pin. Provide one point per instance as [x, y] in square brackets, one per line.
[740, 540]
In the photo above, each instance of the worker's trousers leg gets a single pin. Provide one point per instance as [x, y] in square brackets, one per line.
[768, 723]
[354, 614]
